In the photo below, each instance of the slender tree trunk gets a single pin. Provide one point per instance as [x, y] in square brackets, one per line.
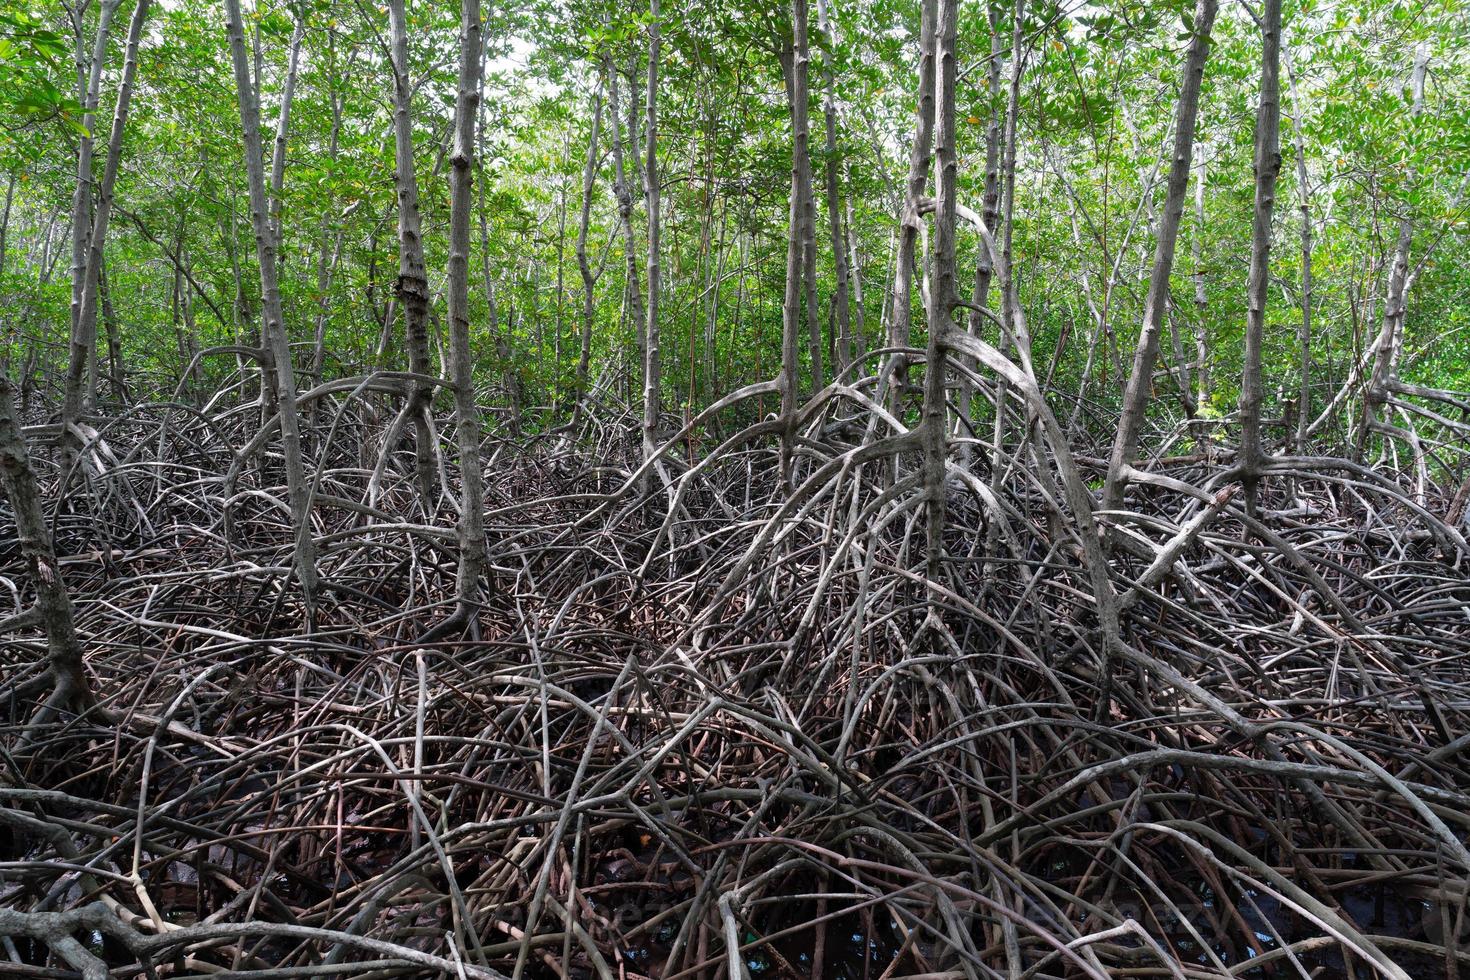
[621, 188]
[283, 124]
[800, 93]
[466, 412]
[114, 338]
[589, 310]
[652, 367]
[503, 339]
[53, 605]
[860, 338]
[711, 357]
[561, 270]
[191, 327]
[834, 200]
[510, 378]
[1390, 337]
[1258, 285]
[5, 220]
[51, 254]
[920, 152]
[84, 338]
[268, 406]
[412, 288]
[536, 325]
[1180, 370]
[1304, 202]
[240, 308]
[1201, 301]
[1136, 394]
[791, 295]
[943, 297]
[89, 81]
[274, 326]
[990, 215]
[328, 256]
[1009, 299]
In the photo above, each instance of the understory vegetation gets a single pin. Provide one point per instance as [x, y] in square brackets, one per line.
[900, 489]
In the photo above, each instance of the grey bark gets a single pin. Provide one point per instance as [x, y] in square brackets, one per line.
[791, 294]
[855, 276]
[1010, 321]
[412, 288]
[503, 339]
[990, 215]
[53, 604]
[1258, 284]
[652, 365]
[625, 215]
[920, 152]
[840, 300]
[1390, 336]
[589, 280]
[1304, 203]
[283, 125]
[5, 219]
[471, 529]
[1201, 301]
[274, 325]
[327, 257]
[800, 94]
[114, 335]
[89, 81]
[510, 378]
[84, 338]
[942, 295]
[1136, 394]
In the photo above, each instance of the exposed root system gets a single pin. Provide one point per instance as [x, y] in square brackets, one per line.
[726, 729]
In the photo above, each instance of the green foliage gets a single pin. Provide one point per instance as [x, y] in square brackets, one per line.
[1096, 115]
[32, 63]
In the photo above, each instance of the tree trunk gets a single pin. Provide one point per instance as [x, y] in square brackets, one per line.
[510, 378]
[283, 123]
[325, 265]
[1267, 166]
[840, 299]
[990, 215]
[53, 605]
[561, 269]
[800, 93]
[77, 395]
[855, 275]
[412, 287]
[791, 295]
[1390, 337]
[274, 326]
[942, 295]
[114, 338]
[5, 219]
[89, 81]
[504, 340]
[1304, 202]
[1136, 394]
[589, 309]
[652, 368]
[920, 151]
[466, 412]
[625, 215]
[1201, 302]
[1008, 290]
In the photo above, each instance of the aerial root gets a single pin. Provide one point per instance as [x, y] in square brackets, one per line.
[726, 727]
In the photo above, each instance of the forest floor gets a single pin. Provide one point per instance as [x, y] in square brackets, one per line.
[731, 715]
